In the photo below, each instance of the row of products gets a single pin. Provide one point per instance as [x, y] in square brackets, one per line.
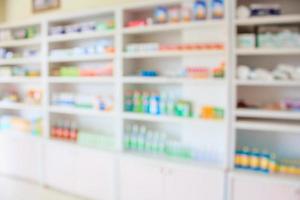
[263, 161]
[151, 47]
[21, 71]
[163, 104]
[205, 73]
[258, 9]
[157, 104]
[212, 113]
[85, 71]
[96, 140]
[19, 34]
[26, 53]
[90, 26]
[199, 10]
[281, 72]
[271, 37]
[32, 96]
[193, 72]
[100, 47]
[67, 130]
[141, 139]
[19, 124]
[283, 105]
[101, 103]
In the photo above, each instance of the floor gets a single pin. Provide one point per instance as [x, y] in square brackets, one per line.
[15, 189]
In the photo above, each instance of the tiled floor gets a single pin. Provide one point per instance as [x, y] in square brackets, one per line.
[15, 189]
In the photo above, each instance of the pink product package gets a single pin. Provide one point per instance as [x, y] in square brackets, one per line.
[292, 104]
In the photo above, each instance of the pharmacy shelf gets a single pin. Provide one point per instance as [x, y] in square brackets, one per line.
[20, 106]
[268, 52]
[168, 159]
[20, 43]
[80, 36]
[162, 54]
[21, 23]
[268, 126]
[273, 83]
[79, 111]
[267, 114]
[169, 119]
[274, 178]
[81, 58]
[20, 61]
[170, 80]
[12, 134]
[20, 80]
[173, 27]
[269, 20]
[75, 80]
[76, 145]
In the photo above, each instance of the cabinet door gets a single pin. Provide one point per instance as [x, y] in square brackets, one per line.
[95, 174]
[141, 180]
[251, 188]
[28, 155]
[8, 152]
[184, 182]
[60, 166]
[20, 155]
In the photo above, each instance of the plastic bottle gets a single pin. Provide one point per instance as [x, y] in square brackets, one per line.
[154, 104]
[255, 159]
[162, 143]
[137, 102]
[134, 137]
[66, 130]
[155, 143]
[245, 158]
[73, 132]
[264, 161]
[272, 163]
[127, 138]
[141, 138]
[238, 154]
[54, 130]
[148, 142]
[163, 104]
[170, 104]
[146, 102]
[59, 130]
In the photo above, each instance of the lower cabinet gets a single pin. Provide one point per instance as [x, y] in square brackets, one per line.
[84, 172]
[20, 155]
[95, 174]
[142, 179]
[184, 182]
[247, 187]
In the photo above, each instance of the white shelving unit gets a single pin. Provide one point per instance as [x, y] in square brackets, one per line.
[63, 155]
[264, 129]
[21, 152]
[269, 20]
[115, 173]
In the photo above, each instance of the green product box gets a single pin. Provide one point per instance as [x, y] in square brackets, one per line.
[183, 108]
[219, 113]
[69, 72]
[97, 141]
